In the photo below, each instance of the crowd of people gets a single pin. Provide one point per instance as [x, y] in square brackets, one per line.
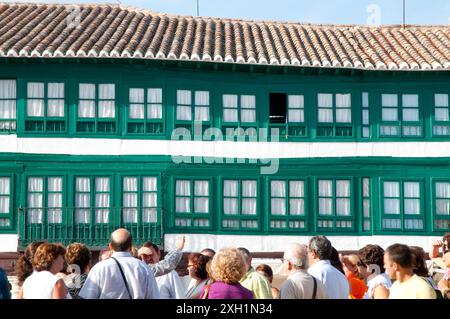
[313, 271]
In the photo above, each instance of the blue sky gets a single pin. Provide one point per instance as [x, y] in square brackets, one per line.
[314, 11]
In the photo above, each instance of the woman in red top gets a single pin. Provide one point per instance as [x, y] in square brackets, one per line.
[353, 268]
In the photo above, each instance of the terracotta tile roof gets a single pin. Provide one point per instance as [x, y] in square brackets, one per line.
[113, 31]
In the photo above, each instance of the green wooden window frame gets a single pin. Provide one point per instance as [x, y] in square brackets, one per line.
[6, 200]
[95, 123]
[398, 125]
[291, 214]
[8, 105]
[365, 116]
[50, 214]
[238, 126]
[441, 204]
[192, 215]
[329, 216]
[239, 219]
[295, 124]
[366, 205]
[47, 121]
[148, 121]
[194, 124]
[330, 125]
[146, 200]
[441, 116]
[396, 216]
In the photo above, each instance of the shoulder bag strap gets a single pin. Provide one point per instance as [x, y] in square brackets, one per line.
[315, 288]
[123, 277]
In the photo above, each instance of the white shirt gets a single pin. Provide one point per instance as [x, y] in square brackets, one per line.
[381, 279]
[105, 281]
[335, 282]
[39, 285]
[170, 286]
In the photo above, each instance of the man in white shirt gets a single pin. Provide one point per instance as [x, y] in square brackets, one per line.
[170, 285]
[105, 280]
[319, 252]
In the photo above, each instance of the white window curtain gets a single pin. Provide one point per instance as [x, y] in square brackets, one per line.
[366, 187]
[130, 200]
[136, 97]
[412, 198]
[106, 91]
[86, 91]
[389, 100]
[249, 204]
[278, 205]
[7, 102]
[230, 107]
[55, 103]
[230, 189]
[4, 195]
[391, 189]
[325, 190]
[150, 184]
[442, 198]
[82, 200]
[249, 188]
[410, 100]
[440, 100]
[365, 117]
[106, 109]
[389, 114]
[150, 215]
[296, 206]
[342, 188]
[35, 101]
[102, 199]
[184, 112]
[154, 100]
[441, 114]
[201, 192]
[296, 109]
[183, 204]
[296, 189]
[86, 109]
[54, 200]
[410, 115]
[365, 99]
[248, 108]
[343, 108]
[149, 199]
[325, 108]
[35, 200]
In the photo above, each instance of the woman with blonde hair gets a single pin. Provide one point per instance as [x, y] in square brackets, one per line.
[353, 269]
[227, 268]
[43, 282]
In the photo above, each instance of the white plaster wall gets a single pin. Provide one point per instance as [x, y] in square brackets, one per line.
[93, 146]
[9, 243]
[196, 242]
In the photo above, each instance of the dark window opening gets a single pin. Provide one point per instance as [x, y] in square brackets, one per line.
[278, 107]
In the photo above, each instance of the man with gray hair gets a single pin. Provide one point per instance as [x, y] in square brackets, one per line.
[319, 252]
[300, 284]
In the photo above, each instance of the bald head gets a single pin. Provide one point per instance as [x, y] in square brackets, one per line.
[121, 240]
[297, 255]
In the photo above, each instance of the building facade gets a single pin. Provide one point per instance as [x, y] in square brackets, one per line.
[230, 132]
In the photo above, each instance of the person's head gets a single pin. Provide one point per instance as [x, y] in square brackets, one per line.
[446, 259]
[134, 251]
[419, 265]
[372, 257]
[78, 254]
[197, 266]
[24, 265]
[335, 260]
[208, 252]
[105, 254]
[352, 265]
[398, 260]
[319, 248]
[49, 257]
[446, 241]
[296, 257]
[247, 256]
[266, 271]
[121, 240]
[149, 253]
[228, 266]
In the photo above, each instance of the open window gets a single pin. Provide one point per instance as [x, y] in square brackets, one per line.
[278, 108]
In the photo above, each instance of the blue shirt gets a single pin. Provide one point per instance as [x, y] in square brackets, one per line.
[5, 292]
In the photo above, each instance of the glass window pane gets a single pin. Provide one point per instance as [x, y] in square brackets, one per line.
[343, 188]
[296, 116]
[297, 207]
[230, 100]
[296, 189]
[136, 111]
[201, 205]
[278, 206]
[366, 187]
[102, 184]
[391, 189]
[7, 89]
[411, 115]
[248, 101]
[343, 100]
[278, 188]
[441, 100]
[249, 206]
[106, 109]
[136, 95]
[412, 189]
[344, 116]
[230, 115]
[106, 91]
[325, 206]
[325, 116]
[391, 206]
[183, 188]
[149, 184]
[441, 114]
[130, 184]
[35, 108]
[201, 98]
[390, 100]
[249, 188]
[87, 91]
[325, 100]
[230, 188]
[296, 101]
[389, 114]
[55, 108]
[442, 190]
[154, 111]
[54, 184]
[343, 207]
[182, 205]
[56, 90]
[230, 206]
[443, 206]
[184, 97]
[35, 90]
[410, 100]
[365, 99]
[325, 188]
[86, 109]
[248, 116]
[184, 113]
[412, 206]
[154, 96]
[201, 188]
